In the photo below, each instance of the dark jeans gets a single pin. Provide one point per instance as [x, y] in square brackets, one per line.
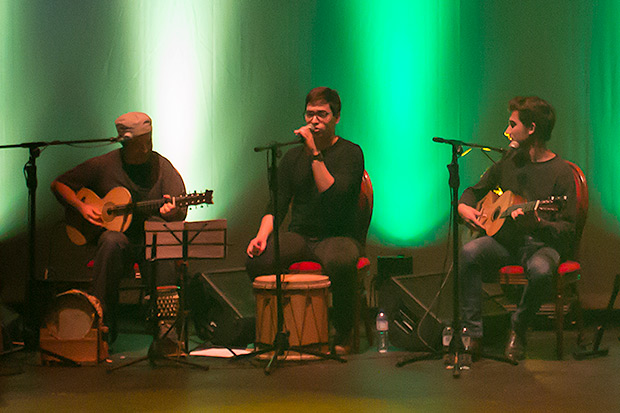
[480, 261]
[114, 259]
[338, 257]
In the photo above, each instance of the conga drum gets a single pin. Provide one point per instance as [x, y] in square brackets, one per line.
[304, 305]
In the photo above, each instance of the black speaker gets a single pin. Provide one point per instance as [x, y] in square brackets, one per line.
[223, 307]
[417, 307]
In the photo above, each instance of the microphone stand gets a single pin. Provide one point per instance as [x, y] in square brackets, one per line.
[31, 319]
[281, 339]
[457, 347]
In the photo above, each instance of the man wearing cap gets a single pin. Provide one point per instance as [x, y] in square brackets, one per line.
[147, 175]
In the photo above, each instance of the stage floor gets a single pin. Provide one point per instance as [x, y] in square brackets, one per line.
[366, 382]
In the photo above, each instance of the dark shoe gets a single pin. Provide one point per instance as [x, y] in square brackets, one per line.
[515, 349]
[341, 350]
[110, 332]
[342, 344]
[466, 361]
[167, 347]
[475, 348]
[110, 322]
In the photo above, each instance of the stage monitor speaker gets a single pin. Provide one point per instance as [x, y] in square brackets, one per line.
[416, 318]
[223, 307]
[418, 309]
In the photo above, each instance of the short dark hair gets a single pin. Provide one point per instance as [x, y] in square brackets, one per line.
[325, 95]
[533, 109]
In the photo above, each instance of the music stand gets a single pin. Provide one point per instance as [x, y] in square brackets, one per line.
[607, 320]
[179, 240]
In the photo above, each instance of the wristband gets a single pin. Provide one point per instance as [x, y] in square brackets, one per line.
[317, 157]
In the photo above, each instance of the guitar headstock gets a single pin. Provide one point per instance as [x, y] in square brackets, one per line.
[553, 204]
[195, 198]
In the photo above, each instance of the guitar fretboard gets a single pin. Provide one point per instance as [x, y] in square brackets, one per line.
[154, 205]
[550, 204]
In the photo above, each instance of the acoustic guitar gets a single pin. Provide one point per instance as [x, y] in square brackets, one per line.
[117, 211]
[496, 208]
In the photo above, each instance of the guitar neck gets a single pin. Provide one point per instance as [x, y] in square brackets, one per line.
[527, 207]
[155, 204]
[146, 206]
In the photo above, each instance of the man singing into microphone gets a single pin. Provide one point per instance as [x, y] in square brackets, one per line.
[535, 240]
[148, 176]
[322, 180]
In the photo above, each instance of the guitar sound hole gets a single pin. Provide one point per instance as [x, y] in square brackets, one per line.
[496, 213]
[107, 212]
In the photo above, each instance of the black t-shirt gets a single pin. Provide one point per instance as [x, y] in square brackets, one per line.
[321, 215]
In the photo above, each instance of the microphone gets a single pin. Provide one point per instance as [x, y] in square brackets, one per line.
[513, 147]
[449, 141]
[300, 140]
[121, 139]
[456, 142]
[310, 127]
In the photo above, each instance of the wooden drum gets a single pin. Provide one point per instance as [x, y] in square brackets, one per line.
[74, 329]
[304, 304]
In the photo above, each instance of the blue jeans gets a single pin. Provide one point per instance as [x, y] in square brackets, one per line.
[480, 261]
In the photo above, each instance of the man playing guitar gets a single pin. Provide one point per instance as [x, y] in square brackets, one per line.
[147, 176]
[537, 240]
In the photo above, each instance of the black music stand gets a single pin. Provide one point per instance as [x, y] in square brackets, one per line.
[178, 240]
[457, 348]
[597, 351]
[281, 342]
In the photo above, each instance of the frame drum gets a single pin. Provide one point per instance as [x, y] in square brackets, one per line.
[305, 307]
[73, 315]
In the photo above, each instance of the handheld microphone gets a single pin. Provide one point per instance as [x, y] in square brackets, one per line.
[310, 126]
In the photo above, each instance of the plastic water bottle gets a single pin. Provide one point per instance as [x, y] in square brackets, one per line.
[446, 338]
[382, 332]
[466, 357]
[466, 339]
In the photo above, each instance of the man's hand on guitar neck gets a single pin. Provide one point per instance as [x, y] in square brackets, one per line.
[471, 217]
[169, 210]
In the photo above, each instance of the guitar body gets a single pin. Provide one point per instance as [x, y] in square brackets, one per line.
[495, 209]
[81, 231]
[493, 206]
[117, 209]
